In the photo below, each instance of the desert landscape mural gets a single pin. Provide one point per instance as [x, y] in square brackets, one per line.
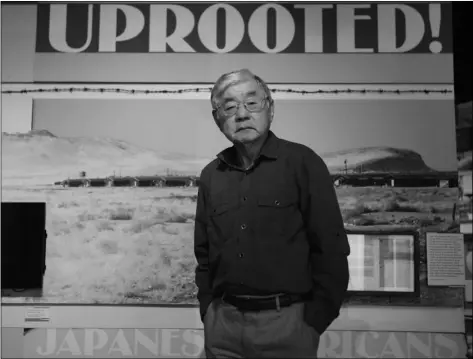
[133, 244]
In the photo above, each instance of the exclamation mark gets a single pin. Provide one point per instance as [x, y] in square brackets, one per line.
[434, 17]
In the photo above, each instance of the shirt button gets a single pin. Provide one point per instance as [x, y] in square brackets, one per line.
[244, 198]
[243, 226]
[277, 203]
[240, 255]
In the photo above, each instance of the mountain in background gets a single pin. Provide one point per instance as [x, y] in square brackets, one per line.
[40, 157]
[376, 159]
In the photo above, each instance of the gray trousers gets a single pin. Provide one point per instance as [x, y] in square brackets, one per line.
[230, 333]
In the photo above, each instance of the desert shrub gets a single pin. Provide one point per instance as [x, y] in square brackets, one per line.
[438, 219]
[68, 204]
[86, 216]
[79, 226]
[108, 246]
[190, 216]
[181, 217]
[401, 198]
[358, 210]
[370, 208]
[422, 207]
[176, 218]
[173, 217]
[161, 210]
[142, 251]
[166, 216]
[389, 205]
[170, 230]
[165, 258]
[442, 208]
[386, 195]
[121, 214]
[413, 207]
[104, 226]
[59, 227]
[145, 208]
[192, 198]
[364, 221]
[142, 225]
[425, 222]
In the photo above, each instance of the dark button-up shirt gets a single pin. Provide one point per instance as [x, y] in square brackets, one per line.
[273, 228]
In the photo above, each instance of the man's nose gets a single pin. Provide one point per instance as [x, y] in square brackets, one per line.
[242, 113]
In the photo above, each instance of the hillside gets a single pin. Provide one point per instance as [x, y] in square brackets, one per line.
[39, 157]
[376, 159]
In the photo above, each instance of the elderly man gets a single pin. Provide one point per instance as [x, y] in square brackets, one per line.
[270, 242]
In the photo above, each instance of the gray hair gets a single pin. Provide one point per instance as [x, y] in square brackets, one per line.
[232, 78]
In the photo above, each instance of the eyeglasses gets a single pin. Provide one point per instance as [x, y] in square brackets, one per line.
[251, 105]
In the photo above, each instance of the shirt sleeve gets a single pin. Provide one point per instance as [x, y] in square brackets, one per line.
[329, 247]
[201, 250]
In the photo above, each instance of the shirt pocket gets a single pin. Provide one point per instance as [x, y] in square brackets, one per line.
[221, 214]
[278, 214]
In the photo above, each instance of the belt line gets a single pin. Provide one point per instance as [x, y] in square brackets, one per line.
[259, 296]
[276, 297]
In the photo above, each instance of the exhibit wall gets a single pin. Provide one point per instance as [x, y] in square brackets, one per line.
[106, 118]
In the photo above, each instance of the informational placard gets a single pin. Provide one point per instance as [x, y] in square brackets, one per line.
[445, 259]
[37, 315]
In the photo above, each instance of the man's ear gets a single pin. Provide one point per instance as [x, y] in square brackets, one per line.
[216, 119]
[271, 111]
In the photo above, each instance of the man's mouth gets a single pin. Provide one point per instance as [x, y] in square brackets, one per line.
[244, 128]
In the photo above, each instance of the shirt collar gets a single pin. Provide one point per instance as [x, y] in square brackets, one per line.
[269, 150]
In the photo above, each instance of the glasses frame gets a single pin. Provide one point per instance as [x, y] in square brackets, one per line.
[262, 102]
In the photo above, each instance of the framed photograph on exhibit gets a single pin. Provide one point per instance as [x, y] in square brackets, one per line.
[384, 263]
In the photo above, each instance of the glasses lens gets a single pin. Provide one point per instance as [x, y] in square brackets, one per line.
[230, 108]
[253, 105]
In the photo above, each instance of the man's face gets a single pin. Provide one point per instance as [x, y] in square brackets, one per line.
[244, 126]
